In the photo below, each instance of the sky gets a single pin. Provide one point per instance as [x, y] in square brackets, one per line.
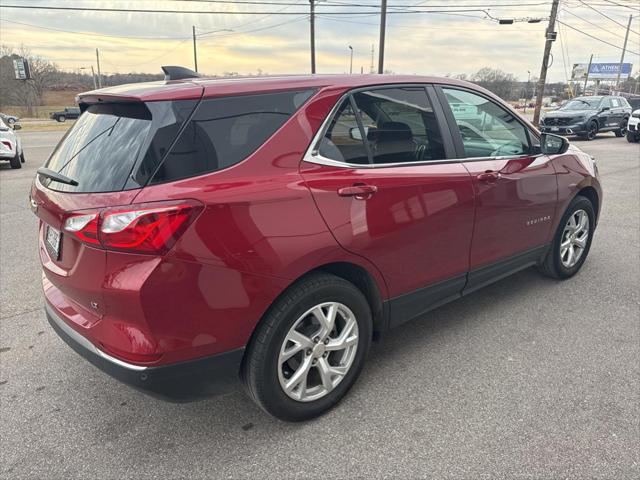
[274, 37]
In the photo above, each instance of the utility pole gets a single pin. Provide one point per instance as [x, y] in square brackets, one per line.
[550, 38]
[586, 78]
[383, 26]
[93, 75]
[195, 50]
[624, 49]
[313, 35]
[98, 62]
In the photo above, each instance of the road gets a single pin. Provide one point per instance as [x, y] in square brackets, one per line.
[528, 378]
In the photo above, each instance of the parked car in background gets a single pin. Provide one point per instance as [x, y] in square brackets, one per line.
[265, 229]
[69, 113]
[10, 145]
[633, 127]
[9, 120]
[588, 116]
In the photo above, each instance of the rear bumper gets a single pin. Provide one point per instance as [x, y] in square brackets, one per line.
[179, 382]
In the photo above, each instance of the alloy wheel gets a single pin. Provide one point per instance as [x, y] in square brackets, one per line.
[592, 132]
[574, 238]
[318, 351]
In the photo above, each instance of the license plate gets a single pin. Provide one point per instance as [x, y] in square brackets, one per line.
[53, 242]
[555, 129]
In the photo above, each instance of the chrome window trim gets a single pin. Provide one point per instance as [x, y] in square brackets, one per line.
[312, 154]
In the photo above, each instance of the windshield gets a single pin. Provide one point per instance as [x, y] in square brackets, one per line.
[582, 104]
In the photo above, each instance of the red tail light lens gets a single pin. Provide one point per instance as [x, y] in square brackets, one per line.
[145, 228]
[8, 145]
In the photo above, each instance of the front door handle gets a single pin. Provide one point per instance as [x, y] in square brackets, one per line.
[489, 176]
[359, 191]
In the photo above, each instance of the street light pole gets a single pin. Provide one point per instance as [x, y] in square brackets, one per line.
[195, 51]
[351, 61]
[550, 37]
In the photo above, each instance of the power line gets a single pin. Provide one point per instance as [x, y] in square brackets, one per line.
[606, 16]
[592, 23]
[621, 5]
[53, 29]
[596, 38]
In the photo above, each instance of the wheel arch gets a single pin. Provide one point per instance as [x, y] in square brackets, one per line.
[591, 194]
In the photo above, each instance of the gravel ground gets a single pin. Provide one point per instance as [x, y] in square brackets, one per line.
[528, 378]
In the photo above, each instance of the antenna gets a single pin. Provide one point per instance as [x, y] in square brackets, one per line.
[178, 73]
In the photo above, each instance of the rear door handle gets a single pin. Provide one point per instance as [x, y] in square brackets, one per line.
[489, 176]
[359, 191]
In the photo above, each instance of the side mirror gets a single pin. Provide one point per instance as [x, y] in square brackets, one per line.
[553, 144]
[17, 126]
[604, 109]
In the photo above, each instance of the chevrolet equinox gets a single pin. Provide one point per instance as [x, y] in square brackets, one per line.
[194, 232]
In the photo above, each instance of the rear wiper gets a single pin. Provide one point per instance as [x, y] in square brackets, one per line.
[56, 177]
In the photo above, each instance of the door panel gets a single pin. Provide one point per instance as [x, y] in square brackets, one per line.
[515, 206]
[416, 227]
[515, 186]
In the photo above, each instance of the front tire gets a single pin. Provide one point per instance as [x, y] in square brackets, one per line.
[309, 349]
[572, 240]
[592, 131]
[632, 137]
[61, 118]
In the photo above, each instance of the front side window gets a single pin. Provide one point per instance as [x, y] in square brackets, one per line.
[487, 130]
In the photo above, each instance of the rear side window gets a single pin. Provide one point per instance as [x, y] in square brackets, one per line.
[343, 141]
[224, 131]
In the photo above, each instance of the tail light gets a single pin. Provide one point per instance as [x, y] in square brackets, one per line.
[8, 145]
[146, 228]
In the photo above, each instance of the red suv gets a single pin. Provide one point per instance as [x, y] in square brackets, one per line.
[196, 231]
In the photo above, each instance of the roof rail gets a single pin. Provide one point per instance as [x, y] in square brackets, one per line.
[178, 73]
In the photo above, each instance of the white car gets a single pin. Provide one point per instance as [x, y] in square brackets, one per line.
[633, 127]
[10, 145]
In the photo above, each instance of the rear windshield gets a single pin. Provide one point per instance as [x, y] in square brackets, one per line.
[115, 147]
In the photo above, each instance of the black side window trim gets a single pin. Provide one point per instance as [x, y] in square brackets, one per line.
[453, 126]
[430, 92]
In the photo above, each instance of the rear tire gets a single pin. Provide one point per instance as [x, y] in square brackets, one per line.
[326, 375]
[559, 262]
[22, 157]
[622, 131]
[15, 162]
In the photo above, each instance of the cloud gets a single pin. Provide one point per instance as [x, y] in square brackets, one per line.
[416, 43]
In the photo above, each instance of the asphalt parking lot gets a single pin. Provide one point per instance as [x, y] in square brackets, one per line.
[528, 378]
